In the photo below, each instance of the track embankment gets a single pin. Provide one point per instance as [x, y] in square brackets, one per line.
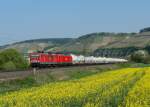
[13, 75]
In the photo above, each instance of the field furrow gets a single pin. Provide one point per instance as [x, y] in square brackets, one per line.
[107, 89]
[139, 96]
[113, 96]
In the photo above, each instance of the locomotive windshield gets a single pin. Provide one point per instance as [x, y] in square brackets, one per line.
[34, 58]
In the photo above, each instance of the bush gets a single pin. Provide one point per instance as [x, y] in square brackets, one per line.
[140, 56]
[13, 59]
[9, 66]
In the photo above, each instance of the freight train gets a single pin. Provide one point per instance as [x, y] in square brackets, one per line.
[42, 59]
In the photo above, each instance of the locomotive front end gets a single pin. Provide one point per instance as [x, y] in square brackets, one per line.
[34, 59]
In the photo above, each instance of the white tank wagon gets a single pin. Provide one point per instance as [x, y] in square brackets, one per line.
[80, 59]
[90, 59]
[114, 60]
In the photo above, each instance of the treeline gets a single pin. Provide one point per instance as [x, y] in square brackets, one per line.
[145, 30]
[10, 60]
[115, 52]
[118, 52]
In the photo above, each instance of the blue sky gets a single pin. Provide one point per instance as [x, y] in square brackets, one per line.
[29, 19]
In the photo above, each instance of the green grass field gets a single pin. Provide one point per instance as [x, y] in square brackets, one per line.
[127, 87]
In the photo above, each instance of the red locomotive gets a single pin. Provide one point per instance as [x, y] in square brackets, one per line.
[49, 59]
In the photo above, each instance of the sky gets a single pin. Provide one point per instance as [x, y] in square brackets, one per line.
[32, 19]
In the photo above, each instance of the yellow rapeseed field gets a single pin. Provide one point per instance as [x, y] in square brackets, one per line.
[128, 87]
[139, 96]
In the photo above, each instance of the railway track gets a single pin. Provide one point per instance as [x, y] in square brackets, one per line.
[13, 75]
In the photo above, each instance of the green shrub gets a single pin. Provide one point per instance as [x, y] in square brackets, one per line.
[8, 66]
[140, 56]
[14, 59]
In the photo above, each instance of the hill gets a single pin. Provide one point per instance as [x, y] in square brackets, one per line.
[89, 43]
[37, 44]
[101, 44]
[108, 44]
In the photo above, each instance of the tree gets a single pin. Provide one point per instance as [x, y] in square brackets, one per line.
[12, 58]
[140, 56]
[9, 66]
